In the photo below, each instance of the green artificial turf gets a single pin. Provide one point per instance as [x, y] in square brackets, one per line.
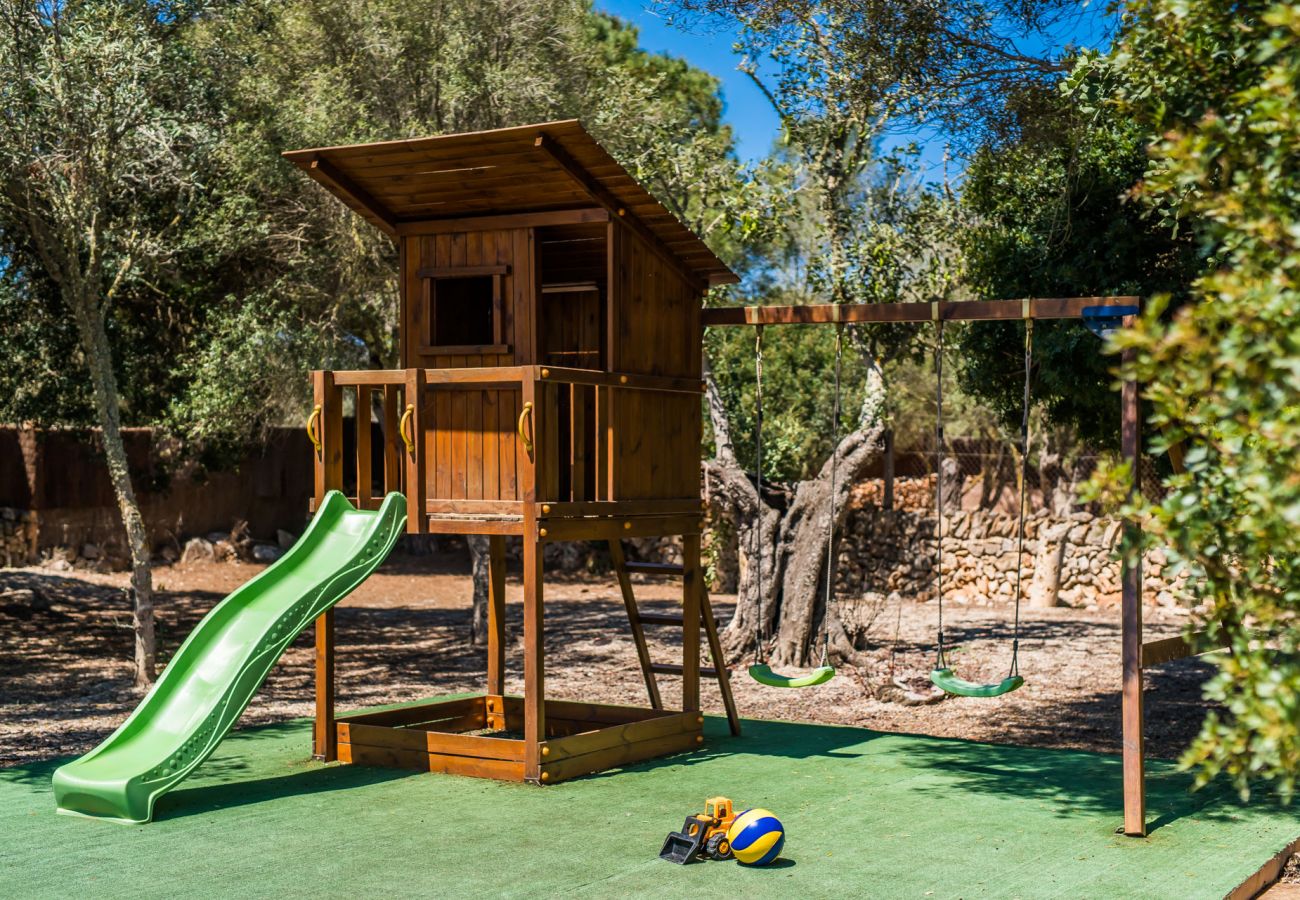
[867, 815]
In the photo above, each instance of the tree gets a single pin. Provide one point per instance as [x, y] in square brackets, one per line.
[92, 137]
[948, 65]
[1049, 214]
[859, 231]
[1217, 87]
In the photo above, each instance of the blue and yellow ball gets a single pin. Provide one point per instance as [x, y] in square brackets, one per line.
[756, 837]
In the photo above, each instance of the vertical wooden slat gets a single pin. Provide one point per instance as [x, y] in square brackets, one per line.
[491, 439]
[691, 584]
[416, 484]
[496, 622]
[325, 733]
[459, 464]
[534, 649]
[578, 440]
[365, 484]
[604, 443]
[406, 294]
[474, 475]
[393, 447]
[1131, 621]
[615, 294]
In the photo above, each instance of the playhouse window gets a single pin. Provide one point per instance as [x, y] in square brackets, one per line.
[463, 308]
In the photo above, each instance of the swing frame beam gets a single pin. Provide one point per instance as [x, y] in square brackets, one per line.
[1132, 647]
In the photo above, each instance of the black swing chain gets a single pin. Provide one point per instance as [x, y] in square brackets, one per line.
[1024, 474]
[830, 531]
[940, 662]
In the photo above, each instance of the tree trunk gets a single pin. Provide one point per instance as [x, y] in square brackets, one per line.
[792, 545]
[1045, 589]
[479, 557]
[99, 360]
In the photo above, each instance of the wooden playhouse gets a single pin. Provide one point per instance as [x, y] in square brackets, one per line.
[549, 388]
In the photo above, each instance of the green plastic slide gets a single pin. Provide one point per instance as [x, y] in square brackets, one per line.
[223, 662]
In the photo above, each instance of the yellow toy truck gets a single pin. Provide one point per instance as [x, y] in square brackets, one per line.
[703, 835]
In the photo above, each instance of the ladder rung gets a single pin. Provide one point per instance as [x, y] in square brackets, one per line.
[654, 568]
[674, 669]
[647, 618]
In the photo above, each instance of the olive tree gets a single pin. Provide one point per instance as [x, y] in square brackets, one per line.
[91, 140]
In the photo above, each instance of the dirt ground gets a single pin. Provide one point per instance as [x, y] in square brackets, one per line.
[65, 671]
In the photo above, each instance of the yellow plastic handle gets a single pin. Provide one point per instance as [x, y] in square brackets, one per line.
[313, 424]
[527, 414]
[407, 438]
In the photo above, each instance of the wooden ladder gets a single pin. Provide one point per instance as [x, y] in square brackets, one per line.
[636, 619]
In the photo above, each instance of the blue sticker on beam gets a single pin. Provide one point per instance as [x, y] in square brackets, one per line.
[1104, 321]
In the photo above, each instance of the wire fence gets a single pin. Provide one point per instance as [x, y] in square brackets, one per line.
[985, 474]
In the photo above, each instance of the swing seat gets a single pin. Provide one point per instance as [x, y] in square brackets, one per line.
[947, 679]
[763, 674]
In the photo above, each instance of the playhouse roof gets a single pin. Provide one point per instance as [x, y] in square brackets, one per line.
[529, 169]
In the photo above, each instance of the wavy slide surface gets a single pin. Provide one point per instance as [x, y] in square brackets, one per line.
[223, 662]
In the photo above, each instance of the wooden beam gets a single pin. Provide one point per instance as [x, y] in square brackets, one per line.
[417, 485]
[1133, 748]
[496, 618]
[949, 311]
[495, 222]
[1180, 647]
[613, 528]
[325, 735]
[692, 583]
[461, 271]
[341, 185]
[534, 652]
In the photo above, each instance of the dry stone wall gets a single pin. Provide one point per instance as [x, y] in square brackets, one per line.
[883, 551]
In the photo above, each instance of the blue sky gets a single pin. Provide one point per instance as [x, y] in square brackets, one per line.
[749, 114]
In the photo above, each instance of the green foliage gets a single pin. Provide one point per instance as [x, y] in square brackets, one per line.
[1051, 216]
[260, 259]
[101, 147]
[950, 65]
[1223, 374]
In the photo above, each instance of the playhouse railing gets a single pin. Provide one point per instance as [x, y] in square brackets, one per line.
[480, 442]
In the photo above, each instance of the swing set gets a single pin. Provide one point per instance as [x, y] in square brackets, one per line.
[1101, 315]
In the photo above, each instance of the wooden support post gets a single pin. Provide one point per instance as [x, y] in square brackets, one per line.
[534, 650]
[417, 488]
[329, 432]
[887, 501]
[692, 583]
[496, 624]
[325, 744]
[1131, 616]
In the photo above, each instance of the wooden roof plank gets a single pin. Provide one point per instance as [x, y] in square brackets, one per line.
[499, 173]
[328, 174]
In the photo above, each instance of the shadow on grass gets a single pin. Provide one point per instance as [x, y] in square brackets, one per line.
[225, 780]
[190, 801]
[1071, 783]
